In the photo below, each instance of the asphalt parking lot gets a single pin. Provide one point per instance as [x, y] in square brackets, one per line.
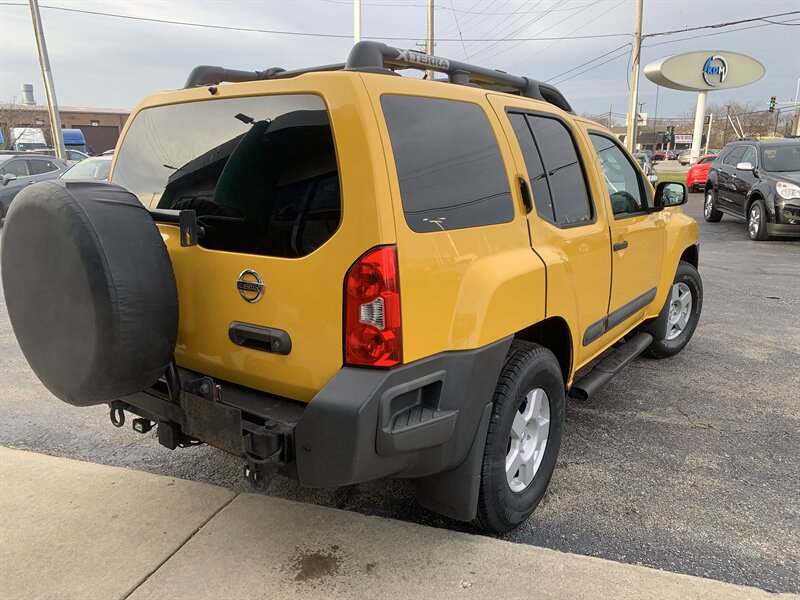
[691, 464]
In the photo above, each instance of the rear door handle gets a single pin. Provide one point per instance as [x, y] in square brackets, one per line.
[620, 246]
[525, 190]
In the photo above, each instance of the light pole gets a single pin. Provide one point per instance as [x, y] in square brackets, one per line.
[356, 21]
[630, 137]
[49, 88]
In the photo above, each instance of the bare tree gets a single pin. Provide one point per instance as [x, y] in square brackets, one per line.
[13, 115]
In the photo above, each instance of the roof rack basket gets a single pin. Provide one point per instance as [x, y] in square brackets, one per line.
[379, 58]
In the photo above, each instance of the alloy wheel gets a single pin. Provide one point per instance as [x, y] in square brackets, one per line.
[528, 440]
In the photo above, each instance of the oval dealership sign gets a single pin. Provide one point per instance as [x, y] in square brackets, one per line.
[704, 70]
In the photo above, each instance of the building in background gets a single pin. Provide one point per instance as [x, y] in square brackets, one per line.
[101, 127]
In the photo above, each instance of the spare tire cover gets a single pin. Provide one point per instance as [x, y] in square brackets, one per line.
[89, 289]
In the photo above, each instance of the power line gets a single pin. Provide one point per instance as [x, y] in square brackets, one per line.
[455, 17]
[348, 36]
[397, 38]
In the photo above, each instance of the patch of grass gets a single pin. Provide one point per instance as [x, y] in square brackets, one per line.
[671, 176]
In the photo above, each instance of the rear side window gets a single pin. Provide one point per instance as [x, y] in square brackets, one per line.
[449, 167]
[260, 172]
[39, 167]
[557, 183]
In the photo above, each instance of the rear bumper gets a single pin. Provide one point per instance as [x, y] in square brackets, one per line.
[413, 420]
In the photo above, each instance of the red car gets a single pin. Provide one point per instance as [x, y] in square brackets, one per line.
[698, 172]
[659, 155]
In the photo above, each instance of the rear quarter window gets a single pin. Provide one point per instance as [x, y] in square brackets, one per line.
[449, 167]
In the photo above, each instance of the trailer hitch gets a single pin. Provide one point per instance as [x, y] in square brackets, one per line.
[260, 471]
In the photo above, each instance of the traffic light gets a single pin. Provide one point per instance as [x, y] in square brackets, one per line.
[772, 103]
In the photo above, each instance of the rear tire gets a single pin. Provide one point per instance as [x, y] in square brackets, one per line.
[710, 213]
[677, 321]
[524, 437]
[757, 221]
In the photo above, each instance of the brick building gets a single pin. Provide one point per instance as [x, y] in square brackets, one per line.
[100, 126]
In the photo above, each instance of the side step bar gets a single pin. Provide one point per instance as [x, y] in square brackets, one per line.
[612, 364]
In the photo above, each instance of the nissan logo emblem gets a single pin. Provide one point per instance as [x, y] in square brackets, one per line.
[250, 286]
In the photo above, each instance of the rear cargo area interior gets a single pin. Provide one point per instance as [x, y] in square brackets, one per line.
[273, 190]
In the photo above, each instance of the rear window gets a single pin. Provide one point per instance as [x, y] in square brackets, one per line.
[261, 172]
[449, 167]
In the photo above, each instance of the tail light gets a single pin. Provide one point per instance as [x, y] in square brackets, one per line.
[372, 332]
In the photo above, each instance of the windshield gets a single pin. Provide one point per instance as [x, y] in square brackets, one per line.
[89, 169]
[781, 159]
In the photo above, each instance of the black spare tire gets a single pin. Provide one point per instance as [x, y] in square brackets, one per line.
[89, 289]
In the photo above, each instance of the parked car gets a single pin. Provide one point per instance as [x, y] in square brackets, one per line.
[20, 170]
[673, 154]
[73, 156]
[659, 155]
[685, 157]
[410, 301]
[647, 166]
[697, 175]
[96, 167]
[759, 182]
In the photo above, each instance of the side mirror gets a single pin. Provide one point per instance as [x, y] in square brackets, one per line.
[745, 166]
[670, 193]
[8, 177]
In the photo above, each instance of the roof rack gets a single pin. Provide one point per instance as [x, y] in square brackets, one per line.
[376, 57]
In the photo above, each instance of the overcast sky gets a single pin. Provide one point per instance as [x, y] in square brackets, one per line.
[102, 61]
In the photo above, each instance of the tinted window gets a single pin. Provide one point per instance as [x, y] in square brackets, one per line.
[564, 173]
[533, 163]
[622, 179]
[15, 167]
[707, 159]
[261, 172]
[41, 166]
[735, 157]
[749, 155]
[449, 167]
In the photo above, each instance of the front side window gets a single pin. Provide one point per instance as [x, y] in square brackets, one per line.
[449, 168]
[260, 172]
[622, 179]
[15, 167]
[749, 155]
[735, 156]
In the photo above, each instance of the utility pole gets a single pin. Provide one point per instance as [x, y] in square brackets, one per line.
[49, 88]
[708, 131]
[356, 21]
[797, 109]
[429, 40]
[608, 124]
[630, 138]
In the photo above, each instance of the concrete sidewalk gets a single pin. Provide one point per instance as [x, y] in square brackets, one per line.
[71, 529]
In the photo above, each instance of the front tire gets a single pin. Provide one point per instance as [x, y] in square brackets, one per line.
[710, 213]
[524, 437]
[677, 321]
[757, 221]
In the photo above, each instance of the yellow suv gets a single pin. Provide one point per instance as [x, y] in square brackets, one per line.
[341, 274]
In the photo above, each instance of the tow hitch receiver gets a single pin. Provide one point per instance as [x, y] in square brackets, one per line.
[187, 412]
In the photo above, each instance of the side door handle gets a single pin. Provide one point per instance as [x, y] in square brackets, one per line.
[620, 246]
[525, 190]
